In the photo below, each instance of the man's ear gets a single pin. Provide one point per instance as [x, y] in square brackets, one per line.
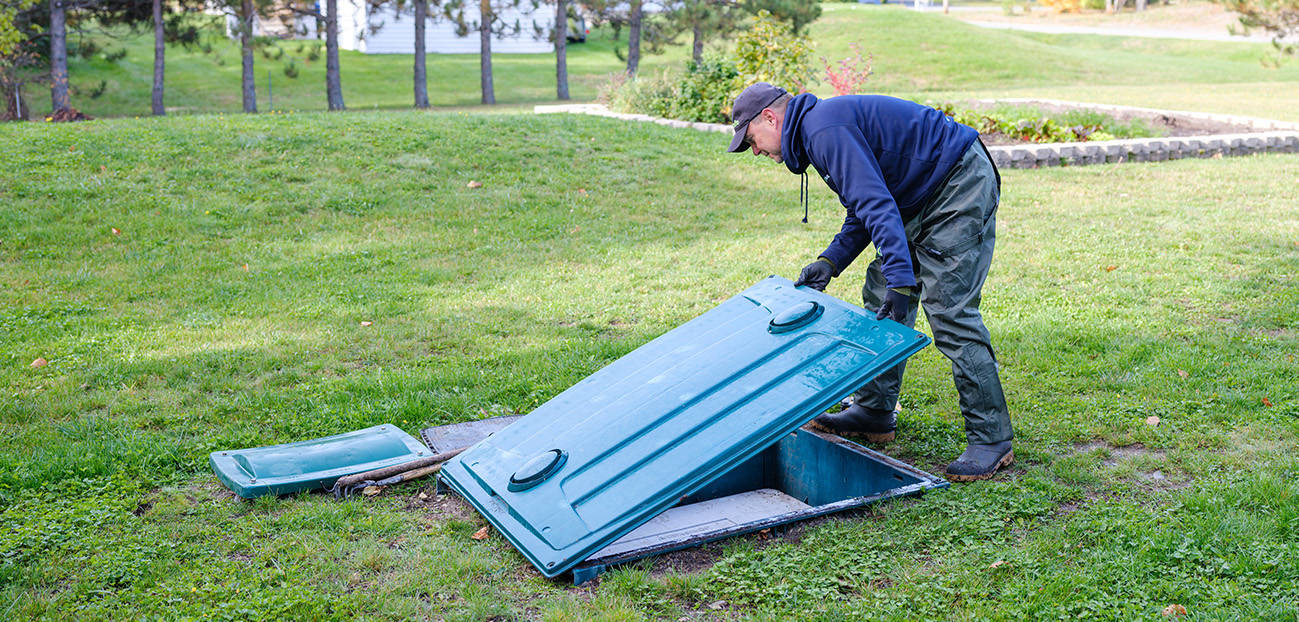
[769, 114]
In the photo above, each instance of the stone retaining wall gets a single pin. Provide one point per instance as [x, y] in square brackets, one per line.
[1271, 137]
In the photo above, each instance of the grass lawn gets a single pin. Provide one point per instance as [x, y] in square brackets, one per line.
[225, 312]
[199, 282]
[915, 55]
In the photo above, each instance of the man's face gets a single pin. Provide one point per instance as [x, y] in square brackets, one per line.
[763, 134]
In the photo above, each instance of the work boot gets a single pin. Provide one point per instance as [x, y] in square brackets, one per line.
[980, 461]
[877, 426]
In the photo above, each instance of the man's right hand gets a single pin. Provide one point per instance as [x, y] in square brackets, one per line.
[816, 275]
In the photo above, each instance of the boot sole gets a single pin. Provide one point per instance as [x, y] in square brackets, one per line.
[873, 437]
[1005, 461]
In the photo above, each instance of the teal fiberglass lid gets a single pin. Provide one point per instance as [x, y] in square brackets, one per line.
[313, 464]
[627, 442]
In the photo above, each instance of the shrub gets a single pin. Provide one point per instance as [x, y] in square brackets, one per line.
[1064, 6]
[706, 91]
[769, 52]
[652, 95]
[851, 74]
[703, 93]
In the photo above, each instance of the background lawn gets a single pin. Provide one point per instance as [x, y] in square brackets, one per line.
[198, 282]
[915, 55]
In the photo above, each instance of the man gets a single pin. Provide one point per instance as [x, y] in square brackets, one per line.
[923, 189]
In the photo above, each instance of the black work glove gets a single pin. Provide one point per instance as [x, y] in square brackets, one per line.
[895, 307]
[816, 275]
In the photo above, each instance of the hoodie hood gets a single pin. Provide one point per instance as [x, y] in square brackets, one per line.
[791, 141]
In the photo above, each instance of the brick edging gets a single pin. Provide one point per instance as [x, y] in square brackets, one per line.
[1272, 137]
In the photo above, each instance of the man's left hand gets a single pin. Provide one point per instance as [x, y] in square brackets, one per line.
[895, 307]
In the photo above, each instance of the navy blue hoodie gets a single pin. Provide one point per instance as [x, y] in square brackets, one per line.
[883, 156]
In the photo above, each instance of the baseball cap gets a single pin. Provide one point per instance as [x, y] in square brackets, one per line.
[747, 106]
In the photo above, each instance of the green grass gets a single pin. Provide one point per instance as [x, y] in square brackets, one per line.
[915, 55]
[226, 312]
[916, 52]
[203, 82]
[588, 238]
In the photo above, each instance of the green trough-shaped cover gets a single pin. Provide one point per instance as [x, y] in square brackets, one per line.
[629, 441]
[313, 464]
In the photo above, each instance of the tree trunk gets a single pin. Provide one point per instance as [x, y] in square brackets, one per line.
[421, 78]
[246, 17]
[561, 49]
[698, 53]
[159, 58]
[333, 81]
[633, 38]
[59, 56]
[485, 50]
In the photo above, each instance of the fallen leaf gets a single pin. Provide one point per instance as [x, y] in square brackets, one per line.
[115, 230]
[997, 564]
[581, 190]
[366, 322]
[717, 604]
[103, 169]
[40, 362]
[1174, 610]
[481, 534]
[1267, 402]
[245, 267]
[1152, 421]
[1110, 268]
[1182, 373]
[422, 496]
[371, 491]
[475, 184]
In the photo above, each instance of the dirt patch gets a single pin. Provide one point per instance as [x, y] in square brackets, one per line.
[441, 507]
[702, 557]
[1164, 124]
[1149, 478]
[1117, 454]
[686, 561]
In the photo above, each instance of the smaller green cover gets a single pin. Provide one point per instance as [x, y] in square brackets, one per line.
[317, 463]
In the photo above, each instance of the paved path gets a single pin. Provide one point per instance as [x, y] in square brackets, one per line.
[1120, 31]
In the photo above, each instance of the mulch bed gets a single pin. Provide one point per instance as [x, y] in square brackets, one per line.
[1164, 124]
[66, 115]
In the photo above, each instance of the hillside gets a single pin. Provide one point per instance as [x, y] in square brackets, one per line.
[915, 55]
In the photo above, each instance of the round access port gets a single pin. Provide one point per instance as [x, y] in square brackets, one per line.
[536, 470]
[795, 317]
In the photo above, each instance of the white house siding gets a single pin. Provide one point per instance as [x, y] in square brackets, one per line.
[397, 34]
